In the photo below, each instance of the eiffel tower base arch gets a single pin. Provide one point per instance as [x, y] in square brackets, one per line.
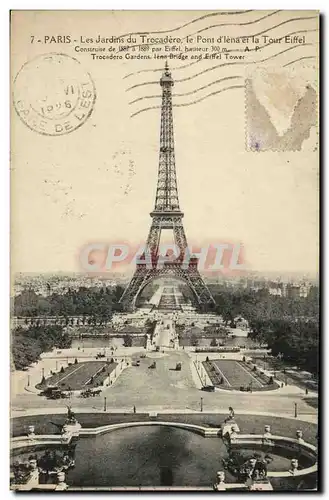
[190, 276]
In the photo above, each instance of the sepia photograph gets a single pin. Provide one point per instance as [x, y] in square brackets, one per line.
[164, 298]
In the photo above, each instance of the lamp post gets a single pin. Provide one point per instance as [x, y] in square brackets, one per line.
[296, 413]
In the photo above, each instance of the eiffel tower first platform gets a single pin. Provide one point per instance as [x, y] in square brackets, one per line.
[167, 215]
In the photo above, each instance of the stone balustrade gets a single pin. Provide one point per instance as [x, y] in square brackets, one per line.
[207, 432]
[70, 431]
[229, 430]
[297, 445]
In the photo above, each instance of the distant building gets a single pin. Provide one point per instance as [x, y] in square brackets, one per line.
[276, 290]
[298, 290]
[241, 323]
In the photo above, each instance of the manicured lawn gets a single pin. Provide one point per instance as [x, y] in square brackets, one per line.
[234, 375]
[81, 375]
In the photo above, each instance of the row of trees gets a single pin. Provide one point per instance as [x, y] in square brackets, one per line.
[295, 341]
[27, 345]
[289, 325]
[97, 302]
[261, 304]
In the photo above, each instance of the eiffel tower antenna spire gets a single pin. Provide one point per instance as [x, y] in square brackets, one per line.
[167, 215]
[167, 194]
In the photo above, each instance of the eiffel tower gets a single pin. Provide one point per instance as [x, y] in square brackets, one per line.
[167, 215]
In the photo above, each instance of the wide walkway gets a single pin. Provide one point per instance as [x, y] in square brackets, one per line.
[164, 333]
[167, 298]
[165, 389]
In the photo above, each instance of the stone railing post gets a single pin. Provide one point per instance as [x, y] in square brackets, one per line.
[61, 484]
[220, 481]
[299, 435]
[267, 434]
[294, 465]
[30, 432]
[267, 430]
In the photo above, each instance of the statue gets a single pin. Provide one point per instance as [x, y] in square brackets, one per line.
[246, 469]
[70, 419]
[230, 415]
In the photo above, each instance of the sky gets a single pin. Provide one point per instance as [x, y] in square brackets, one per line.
[97, 183]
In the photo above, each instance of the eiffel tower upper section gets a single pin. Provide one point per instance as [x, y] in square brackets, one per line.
[166, 199]
[166, 215]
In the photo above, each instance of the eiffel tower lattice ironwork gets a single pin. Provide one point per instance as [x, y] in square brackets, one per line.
[167, 215]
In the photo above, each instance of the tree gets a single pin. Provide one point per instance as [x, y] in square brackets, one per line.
[27, 345]
[194, 340]
[127, 341]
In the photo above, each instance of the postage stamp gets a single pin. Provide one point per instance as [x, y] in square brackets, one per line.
[281, 109]
[53, 94]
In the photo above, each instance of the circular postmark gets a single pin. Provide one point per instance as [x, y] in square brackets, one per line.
[53, 94]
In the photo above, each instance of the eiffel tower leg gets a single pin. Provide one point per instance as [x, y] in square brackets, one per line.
[142, 274]
[129, 295]
[141, 278]
[195, 282]
[153, 239]
[205, 297]
[179, 235]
